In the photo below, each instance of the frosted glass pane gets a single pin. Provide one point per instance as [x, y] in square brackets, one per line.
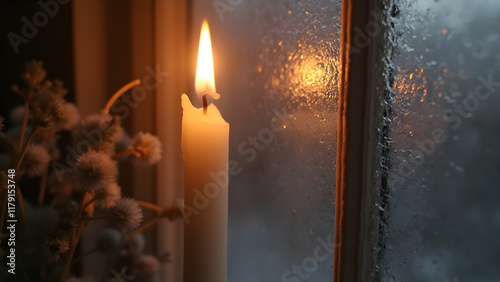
[276, 67]
[441, 220]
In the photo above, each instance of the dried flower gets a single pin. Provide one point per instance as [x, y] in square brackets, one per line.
[34, 79]
[55, 244]
[54, 238]
[107, 196]
[46, 107]
[58, 88]
[109, 241]
[94, 170]
[126, 212]
[34, 73]
[36, 160]
[98, 132]
[70, 116]
[147, 147]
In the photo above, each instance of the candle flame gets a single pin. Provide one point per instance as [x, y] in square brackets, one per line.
[205, 82]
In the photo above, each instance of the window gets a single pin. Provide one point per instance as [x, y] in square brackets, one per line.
[441, 217]
[425, 206]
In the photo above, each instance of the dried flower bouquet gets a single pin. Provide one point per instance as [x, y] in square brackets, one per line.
[73, 191]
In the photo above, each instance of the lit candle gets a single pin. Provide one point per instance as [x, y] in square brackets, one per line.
[205, 143]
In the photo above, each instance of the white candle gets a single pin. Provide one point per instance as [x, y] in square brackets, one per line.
[205, 143]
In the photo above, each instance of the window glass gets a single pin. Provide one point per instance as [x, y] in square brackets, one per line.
[441, 216]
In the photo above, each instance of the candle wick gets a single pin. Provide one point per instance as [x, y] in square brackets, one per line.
[205, 104]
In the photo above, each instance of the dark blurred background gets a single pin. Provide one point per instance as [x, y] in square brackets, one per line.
[51, 44]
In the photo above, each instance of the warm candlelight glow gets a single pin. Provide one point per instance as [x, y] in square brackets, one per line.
[205, 82]
[205, 149]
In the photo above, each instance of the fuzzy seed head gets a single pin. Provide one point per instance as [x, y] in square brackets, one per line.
[127, 213]
[147, 147]
[94, 170]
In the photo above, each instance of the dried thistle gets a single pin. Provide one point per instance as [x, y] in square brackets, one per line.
[58, 88]
[98, 132]
[34, 79]
[70, 116]
[56, 242]
[36, 161]
[94, 170]
[107, 196]
[146, 148]
[127, 213]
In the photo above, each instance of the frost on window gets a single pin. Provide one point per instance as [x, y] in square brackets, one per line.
[442, 213]
[276, 68]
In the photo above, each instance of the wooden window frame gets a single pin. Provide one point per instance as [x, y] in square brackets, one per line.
[362, 146]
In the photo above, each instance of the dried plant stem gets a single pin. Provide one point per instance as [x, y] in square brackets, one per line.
[119, 93]
[125, 153]
[74, 238]
[5, 193]
[24, 125]
[25, 147]
[143, 227]
[43, 186]
[87, 204]
[171, 213]
[149, 206]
